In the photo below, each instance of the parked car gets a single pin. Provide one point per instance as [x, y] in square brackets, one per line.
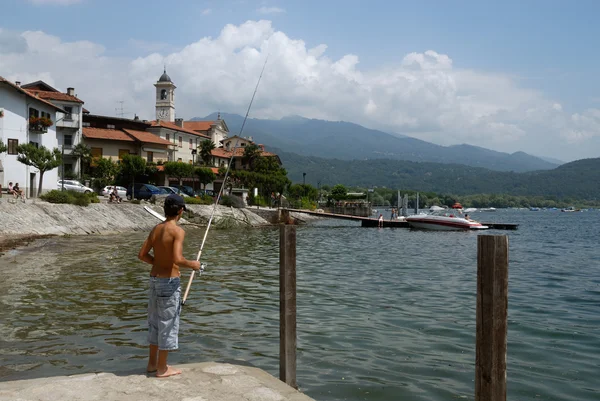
[144, 191]
[172, 190]
[73, 185]
[208, 192]
[189, 191]
[122, 191]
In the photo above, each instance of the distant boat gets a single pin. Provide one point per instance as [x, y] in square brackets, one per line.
[570, 209]
[470, 209]
[487, 209]
[534, 209]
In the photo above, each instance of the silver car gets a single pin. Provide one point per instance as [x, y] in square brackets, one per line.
[73, 185]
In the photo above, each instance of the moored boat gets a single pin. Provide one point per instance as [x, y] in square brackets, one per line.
[444, 221]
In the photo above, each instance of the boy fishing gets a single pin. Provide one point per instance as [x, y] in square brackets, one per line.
[164, 300]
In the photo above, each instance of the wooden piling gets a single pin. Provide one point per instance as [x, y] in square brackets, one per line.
[492, 314]
[287, 304]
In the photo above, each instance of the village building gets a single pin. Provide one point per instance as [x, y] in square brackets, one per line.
[113, 137]
[26, 118]
[68, 124]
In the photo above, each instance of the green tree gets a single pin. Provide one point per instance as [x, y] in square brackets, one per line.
[339, 192]
[83, 153]
[104, 173]
[251, 153]
[206, 147]
[179, 170]
[3, 147]
[131, 167]
[41, 158]
[205, 175]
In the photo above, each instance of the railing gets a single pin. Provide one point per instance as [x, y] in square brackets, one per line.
[37, 129]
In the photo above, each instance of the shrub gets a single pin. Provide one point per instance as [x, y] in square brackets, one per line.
[56, 196]
[135, 201]
[201, 200]
[233, 201]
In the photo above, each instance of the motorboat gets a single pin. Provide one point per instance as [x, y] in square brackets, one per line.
[570, 209]
[470, 209]
[446, 220]
[487, 209]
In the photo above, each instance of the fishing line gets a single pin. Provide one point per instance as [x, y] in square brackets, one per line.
[189, 285]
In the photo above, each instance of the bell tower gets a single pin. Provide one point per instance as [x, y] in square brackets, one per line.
[165, 98]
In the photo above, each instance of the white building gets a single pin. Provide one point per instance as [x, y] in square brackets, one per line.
[68, 125]
[17, 106]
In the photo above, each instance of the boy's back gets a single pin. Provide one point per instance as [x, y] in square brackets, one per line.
[164, 239]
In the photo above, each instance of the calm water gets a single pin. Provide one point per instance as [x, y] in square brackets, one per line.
[383, 314]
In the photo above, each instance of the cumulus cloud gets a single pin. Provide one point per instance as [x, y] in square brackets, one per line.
[206, 11]
[424, 95]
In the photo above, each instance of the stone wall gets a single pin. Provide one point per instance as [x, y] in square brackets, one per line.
[40, 218]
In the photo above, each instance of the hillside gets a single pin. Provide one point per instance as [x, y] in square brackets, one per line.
[347, 141]
[578, 179]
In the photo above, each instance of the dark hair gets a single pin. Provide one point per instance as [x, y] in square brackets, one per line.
[172, 210]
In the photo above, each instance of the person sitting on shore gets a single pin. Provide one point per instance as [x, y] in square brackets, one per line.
[11, 191]
[18, 192]
[114, 195]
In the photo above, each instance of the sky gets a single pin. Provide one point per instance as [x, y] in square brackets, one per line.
[504, 75]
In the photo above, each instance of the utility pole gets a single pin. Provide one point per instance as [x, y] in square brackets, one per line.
[119, 110]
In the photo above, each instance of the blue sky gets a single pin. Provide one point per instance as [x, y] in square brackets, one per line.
[548, 48]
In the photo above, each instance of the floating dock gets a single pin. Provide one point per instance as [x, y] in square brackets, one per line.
[374, 222]
[198, 382]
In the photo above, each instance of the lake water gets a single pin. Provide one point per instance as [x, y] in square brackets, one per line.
[383, 314]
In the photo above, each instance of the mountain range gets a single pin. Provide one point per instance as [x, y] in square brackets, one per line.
[348, 141]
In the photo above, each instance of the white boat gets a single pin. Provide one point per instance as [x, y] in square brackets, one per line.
[452, 220]
[488, 209]
[470, 209]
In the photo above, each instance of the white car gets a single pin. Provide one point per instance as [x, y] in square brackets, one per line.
[73, 185]
[121, 191]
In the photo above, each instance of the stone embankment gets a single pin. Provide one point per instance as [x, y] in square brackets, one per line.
[42, 218]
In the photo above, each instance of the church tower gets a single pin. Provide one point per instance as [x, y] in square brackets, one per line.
[165, 98]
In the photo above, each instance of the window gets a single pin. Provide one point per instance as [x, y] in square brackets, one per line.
[163, 94]
[37, 145]
[190, 161]
[179, 159]
[12, 146]
[110, 126]
[33, 112]
[123, 152]
[168, 137]
[69, 112]
[68, 140]
[150, 156]
[191, 143]
[96, 154]
[180, 142]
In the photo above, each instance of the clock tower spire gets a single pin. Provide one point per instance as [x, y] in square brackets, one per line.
[165, 98]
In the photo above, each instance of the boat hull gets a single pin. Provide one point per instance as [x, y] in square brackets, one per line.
[440, 223]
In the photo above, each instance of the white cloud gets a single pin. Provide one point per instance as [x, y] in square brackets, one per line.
[206, 11]
[55, 2]
[270, 10]
[424, 96]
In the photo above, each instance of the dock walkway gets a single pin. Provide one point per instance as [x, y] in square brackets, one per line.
[373, 222]
[209, 381]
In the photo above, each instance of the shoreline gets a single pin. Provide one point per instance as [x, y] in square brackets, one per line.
[10, 242]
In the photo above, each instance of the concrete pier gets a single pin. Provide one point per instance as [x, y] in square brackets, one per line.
[209, 381]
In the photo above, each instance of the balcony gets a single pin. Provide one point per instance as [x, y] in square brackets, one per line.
[68, 121]
[39, 125]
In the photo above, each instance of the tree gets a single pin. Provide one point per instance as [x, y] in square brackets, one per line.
[41, 158]
[339, 192]
[205, 175]
[83, 153]
[131, 167]
[251, 154]
[3, 147]
[104, 173]
[206, 147]
[179, 170]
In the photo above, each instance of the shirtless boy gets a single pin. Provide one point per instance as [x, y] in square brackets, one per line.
[164, 303]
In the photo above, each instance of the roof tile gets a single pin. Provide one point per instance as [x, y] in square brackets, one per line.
[49, 95]
[147, 137]
[175, 127]
[198, 125]
[104, 133]
[19, 89]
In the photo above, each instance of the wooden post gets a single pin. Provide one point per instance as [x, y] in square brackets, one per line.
[287, 304]
[492, 313]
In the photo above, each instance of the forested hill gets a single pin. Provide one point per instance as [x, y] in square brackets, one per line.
[347, 141]
[579, 179]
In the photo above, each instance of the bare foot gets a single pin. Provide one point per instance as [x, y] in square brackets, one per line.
[171, 371]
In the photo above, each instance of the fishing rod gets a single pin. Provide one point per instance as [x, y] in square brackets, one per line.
[189, 285]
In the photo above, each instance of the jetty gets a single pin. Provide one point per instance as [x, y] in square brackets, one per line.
[199, 381]
[374, 222]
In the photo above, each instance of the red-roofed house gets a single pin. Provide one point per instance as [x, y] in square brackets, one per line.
[68, 123]
[217, 130]
[17, 105]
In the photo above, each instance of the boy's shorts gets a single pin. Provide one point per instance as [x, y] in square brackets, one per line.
[164, 307]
